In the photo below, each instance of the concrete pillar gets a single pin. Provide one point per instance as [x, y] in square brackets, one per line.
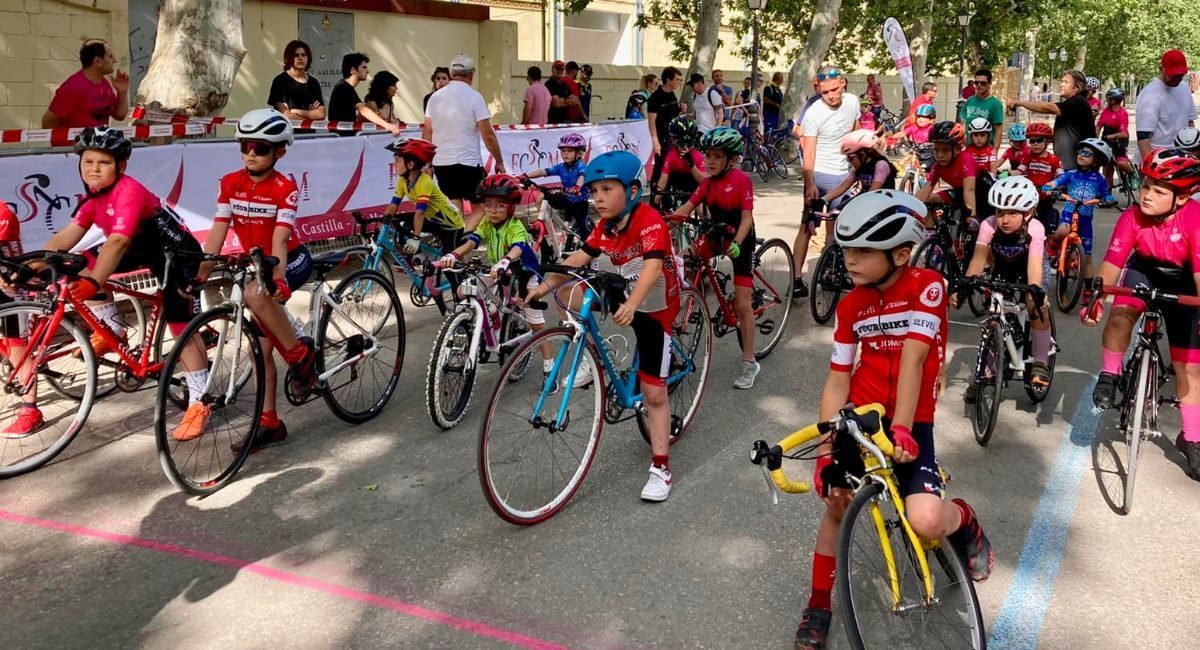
[497, 56]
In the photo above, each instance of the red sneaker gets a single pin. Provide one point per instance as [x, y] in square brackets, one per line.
[29, 419]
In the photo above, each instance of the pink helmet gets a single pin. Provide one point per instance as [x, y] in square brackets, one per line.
[572, 141]
[856, 141]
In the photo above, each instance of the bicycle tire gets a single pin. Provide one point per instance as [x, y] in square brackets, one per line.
[956, 604]
[789, 152]
[1068, 284]
[361, 257]
[448, 359]
[511, 327]
[771, 293]
[692, 337]
[1035, 394]
[1145, 399]
[984, 412]
[930, 254]
[208, 463]
[20, 455]
[509, 412]
[760, 162]
[386, 325]
[136, 336]
[777, 163]
[826, 288]
[977, 301]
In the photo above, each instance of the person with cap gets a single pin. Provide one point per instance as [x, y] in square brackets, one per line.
[585, 90]
[563, 100]
[1165, 107]
[455, 121]
[574, 108]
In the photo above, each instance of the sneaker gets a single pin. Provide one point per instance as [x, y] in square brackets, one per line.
[303, 377]
[1105, 392]
[974, 546]
[583, 374]
[746, 377]
[814, 628]
[1191, 452]
[799, 289]
[193, 423]
[265, 436]
[971, 393]
[29, 419]
[658, 487]
[545, 379]
[1039, 375]
[100, 345]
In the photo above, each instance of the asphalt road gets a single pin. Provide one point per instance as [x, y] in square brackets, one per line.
[379, 535]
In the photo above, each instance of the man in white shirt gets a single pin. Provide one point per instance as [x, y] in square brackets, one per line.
[1165, 107]
[708, 114]
[455, 120]
[821, 131]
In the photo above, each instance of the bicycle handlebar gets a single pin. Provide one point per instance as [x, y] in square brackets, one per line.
[1145, 294]
[978, 283]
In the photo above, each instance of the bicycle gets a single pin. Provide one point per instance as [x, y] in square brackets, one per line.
[553, 237]
[771, 294]
[1146, 367]
[483, 323]
[919, 159]
[381, 252]
[830, 278]
[1127, 186]
[534, 453]
[359, 338]
[894, 589]
[782, 141]
[1068, 277]
[949, 252]
[683, 234]
[1005, 348]
[761, 158]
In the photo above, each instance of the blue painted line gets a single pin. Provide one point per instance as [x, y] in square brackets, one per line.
[1019, 624]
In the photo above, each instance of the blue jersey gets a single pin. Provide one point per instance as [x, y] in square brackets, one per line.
[1083, 186]
[569, 177]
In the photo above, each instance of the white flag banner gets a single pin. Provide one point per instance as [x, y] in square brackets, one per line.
[897, 45]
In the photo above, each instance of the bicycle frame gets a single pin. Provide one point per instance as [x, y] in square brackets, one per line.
[1071, 239]
[1148, 336]
[705, 274]
[478, 297]
[384, 242]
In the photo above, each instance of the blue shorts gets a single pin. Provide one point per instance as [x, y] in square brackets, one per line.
[921, 476]
[1085, 225]
[299, 267]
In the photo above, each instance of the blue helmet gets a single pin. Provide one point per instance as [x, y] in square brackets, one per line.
[926, 110]
[1016, 133]
[623, 166]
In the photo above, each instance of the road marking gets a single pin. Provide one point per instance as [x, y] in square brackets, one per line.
[1024, 610]
[408, 609]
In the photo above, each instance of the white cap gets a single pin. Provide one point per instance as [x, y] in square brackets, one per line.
[462, 63]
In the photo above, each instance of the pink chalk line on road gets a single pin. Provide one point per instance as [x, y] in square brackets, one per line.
[277, 575]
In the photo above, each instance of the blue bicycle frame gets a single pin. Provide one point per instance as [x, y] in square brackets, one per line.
[385, 243]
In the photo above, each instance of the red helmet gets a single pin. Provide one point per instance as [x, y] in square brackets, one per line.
[1039, 130]
[1175, 167]
[501, 186]
[415, 148]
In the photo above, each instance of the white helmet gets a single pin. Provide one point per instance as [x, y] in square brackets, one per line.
[883, 220]
[979, 125]
[1100, 147]
[267, 125]
[1014, 193]
[1188, 138]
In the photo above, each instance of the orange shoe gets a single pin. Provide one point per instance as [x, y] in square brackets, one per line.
[29, 419]
[101, 346]
[193, 423]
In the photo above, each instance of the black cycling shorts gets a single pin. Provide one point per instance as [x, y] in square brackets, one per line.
[1182, 322]
[458, 182]
[146, 251]
[921, 476]
[654, 349]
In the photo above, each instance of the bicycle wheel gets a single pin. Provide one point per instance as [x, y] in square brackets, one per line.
[777, 163]
[530, 462]
[360, 344]
[827, 284]
[234, 389]
[789, 150]
[932, 255]
[1068, 283]
[691, 347]
[770, 296]
[60, 354]
[879, 613]
[989, 382]
[450, 379]
[511, 328]
[760, 162]
[1144, 410]
[362, 257]
[131, 315]
[1039, 394]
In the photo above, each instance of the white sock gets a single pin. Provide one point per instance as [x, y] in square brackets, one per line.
[547, 365]
[196, 382]
[107, 312]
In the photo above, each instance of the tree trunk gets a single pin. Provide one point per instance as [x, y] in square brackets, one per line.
[1081, 58]
[704, 48]
[1027, 76]
[196, 57]
[804, 68]
[919, 46]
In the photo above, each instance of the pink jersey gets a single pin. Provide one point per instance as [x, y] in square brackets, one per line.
[1175, 241]
[119, 211]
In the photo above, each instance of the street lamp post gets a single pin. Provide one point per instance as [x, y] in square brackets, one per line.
[756, 7]
[1062, 56]
[1053, 56]
[964, 19]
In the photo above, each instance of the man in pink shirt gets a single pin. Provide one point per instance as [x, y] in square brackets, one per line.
[875, 94]
[537, 98]
[87, 98]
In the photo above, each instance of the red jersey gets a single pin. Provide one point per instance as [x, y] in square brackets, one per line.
[10, 232]
[119, 211]
[674, 162]
[1014, 156]
[257, 208]
[983, 156]
[963, 166]
[644, 237]
[873, 325]
[726, 197]
[1041, 169]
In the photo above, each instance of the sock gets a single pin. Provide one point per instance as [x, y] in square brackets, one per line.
[196, 382]
[822, 581]
[965, 517]
[1041, 345]
[660, 462]
[107, 312]
[1111, 361]
[28, 405]
[1190, 413]
[269, 419]
[547, 365]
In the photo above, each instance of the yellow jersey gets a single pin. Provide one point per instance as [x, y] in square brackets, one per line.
[425, 192]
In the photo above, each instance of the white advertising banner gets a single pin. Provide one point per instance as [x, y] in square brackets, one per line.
[897, 45]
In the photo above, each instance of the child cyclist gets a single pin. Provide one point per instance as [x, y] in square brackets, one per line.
[683, 169]
[952, 165]
[1016, 150]
[635, 237]
[259, 204]
[894, 322]
[872, 169]
[1114, 129]
[918, 134]
[979, 129]
[574, 200]
[866, 118]
[1041, 167]
[728, 195]
[1083, 189]
[1013, 244]
[1156, 243]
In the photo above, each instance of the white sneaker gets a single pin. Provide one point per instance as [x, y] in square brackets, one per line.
[583, 375]
[658, 487]
[745, 379]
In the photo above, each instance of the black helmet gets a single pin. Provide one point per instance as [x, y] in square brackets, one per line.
[1115, 95]
[103, 138]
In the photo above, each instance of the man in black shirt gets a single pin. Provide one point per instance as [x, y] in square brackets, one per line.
[344, 103]
[663, 107]
[1073, 121]
[559, 94]
[294, 92]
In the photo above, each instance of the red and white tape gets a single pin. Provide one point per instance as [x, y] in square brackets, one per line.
[141, 113]
[66, 137]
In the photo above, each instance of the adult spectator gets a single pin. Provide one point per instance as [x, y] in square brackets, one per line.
[929, 93]
[799, 117]
[824, 125]
[709, 109]
[455, 120]
[561, 96]
[585, 90]
[537, 98]
[380, 93]
[344, 103]
[1073, 121]
[663, 107]
[773, 101]
[649, 83]
[1165, 106]
[574, 108]
[984, 104]
[88, 97]
[294, 92]
[726, 92]
[440, 77]
[875, 94]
